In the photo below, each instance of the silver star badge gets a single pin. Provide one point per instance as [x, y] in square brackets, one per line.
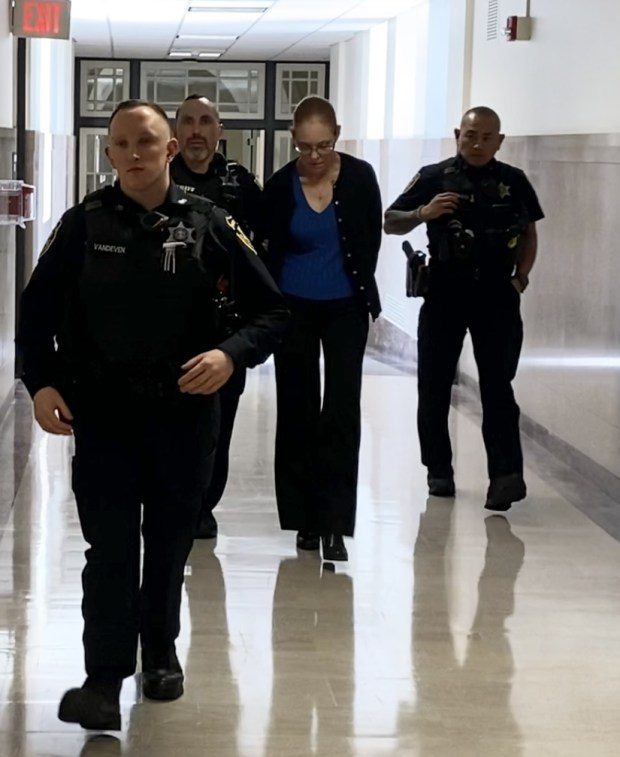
[181, 233]
[504, 190]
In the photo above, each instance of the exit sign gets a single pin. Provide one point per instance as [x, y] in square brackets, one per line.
[42, 18]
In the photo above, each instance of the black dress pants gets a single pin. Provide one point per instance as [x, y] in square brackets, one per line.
[137, 465]
[229, 395]
[490, 311]
[317, 441]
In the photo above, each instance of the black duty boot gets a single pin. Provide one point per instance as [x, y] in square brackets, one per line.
[162, 675]
[207, 526]
[95, 705]
[441, 486]
[307, 540]
[504, 490]
[333, 548]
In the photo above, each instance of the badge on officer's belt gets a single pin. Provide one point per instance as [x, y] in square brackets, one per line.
[240, 234]
[181, 234]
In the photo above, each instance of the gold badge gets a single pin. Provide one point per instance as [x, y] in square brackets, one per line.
[51, 239]
[239, 233]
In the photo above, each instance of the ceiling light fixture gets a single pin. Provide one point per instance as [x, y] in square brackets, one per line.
[209, 37]
[255, 6]
[222, 10]
[179, 54]
[209, 55]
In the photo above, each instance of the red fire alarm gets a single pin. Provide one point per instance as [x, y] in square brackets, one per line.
[518, 28]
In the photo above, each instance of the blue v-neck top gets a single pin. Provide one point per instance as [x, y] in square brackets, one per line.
[313, 268]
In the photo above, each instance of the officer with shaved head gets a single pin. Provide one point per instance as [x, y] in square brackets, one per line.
[480, 216]
[199, 168]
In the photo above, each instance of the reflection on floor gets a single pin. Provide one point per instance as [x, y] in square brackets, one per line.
[449, 632]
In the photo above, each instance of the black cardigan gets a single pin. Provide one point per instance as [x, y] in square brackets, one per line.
[358, 210]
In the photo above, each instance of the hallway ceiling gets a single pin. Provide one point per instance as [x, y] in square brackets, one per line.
[238, 29]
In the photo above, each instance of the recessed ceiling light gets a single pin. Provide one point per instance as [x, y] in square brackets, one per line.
[222, 10]
[209, 37]
[180, 54]
[230, 5]
[209, 55]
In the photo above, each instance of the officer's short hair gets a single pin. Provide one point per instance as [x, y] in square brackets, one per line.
[132, 104]
[197, 97]
[482, 111]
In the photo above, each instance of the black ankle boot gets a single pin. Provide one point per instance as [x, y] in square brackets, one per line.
[333, 547]
[307, 540]
[441, 486]
[504, 490]
[162, 675]
[95, 705]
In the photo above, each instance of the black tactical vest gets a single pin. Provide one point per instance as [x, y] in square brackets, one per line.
[144, 301]
[223, 184]
[482, 235]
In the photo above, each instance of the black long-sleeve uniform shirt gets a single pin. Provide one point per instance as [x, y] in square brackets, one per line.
[106, 288]
[227, 183]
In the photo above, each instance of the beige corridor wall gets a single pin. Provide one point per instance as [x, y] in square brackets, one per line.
[565, 80]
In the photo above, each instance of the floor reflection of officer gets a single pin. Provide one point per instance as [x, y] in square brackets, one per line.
[125, 289]
[200, 168]
[210, 685]
[462, 707]
[101, 745]
[480, 217]
[313, 641]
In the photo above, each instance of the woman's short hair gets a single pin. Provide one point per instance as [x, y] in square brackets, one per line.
[315, 107]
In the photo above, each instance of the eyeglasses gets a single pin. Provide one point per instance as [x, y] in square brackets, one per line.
[323, 149]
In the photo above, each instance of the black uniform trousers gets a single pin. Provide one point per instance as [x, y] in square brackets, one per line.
[137, 465]
[317, 442]
[229, 395]
[490, 311]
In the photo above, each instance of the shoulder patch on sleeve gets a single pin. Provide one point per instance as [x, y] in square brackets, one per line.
[232, 224]
[51, 239]
[412, 183]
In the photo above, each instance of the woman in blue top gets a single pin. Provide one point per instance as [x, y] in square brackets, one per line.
[322, 225]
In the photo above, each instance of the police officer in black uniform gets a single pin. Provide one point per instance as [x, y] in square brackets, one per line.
[480, 217]
[199, 168]
[121, 346]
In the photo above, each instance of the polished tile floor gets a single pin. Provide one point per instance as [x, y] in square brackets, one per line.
[449, 632]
